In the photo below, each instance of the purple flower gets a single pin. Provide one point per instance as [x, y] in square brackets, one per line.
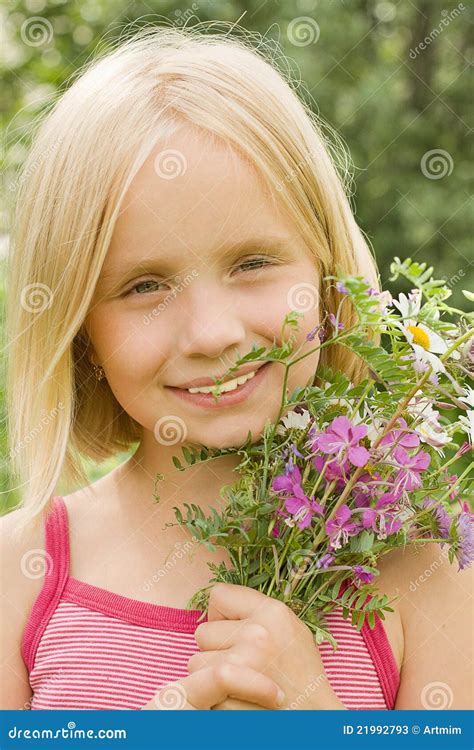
[325, 561]
[440, 515]
[404, 437]
[334, 322]
[335, 470]
[464, 535]
[363, 575]
[288, 480]
[381, 519]
[301, 507]
[341, 288]
[340, 528]
[408, 477]
[312, 334]
[342, 437]
[296, 502]
[366, 488]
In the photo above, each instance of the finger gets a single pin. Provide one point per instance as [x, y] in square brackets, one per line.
[232, 704]
[212, 685]
[242, 657]
[221, 634]
[230, 601]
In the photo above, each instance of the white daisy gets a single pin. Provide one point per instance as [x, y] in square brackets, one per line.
[426, 344]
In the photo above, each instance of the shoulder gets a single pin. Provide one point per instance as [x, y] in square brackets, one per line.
[434, 602]
[21, 576]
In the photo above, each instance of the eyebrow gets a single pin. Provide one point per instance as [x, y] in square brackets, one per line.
[268, 243]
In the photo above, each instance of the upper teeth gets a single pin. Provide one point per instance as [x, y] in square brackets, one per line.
[229, 385]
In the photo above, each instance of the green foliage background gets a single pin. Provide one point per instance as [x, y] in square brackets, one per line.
[390, 100]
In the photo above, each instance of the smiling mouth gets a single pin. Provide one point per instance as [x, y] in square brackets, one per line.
[231, 391]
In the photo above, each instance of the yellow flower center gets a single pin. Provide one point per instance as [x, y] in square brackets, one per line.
[419, 336]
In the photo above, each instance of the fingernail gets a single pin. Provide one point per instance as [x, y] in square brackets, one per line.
[281, 698]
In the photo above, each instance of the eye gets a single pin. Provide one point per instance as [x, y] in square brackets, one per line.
[254, 264]
[132, 290]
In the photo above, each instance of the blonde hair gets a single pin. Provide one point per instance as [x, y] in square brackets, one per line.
[86, 153]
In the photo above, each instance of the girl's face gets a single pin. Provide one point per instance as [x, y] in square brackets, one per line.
[202, 264]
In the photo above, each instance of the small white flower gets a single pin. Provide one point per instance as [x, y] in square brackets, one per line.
[468, 421]
[469, 397]
[296, 420]
[427, 423]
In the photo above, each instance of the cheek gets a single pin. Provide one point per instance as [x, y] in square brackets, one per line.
[275, 303]
[268, 306]
[125, 345]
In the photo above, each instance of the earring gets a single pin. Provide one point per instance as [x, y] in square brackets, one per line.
[98, 371]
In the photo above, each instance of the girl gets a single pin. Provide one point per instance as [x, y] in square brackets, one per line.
[178, 201]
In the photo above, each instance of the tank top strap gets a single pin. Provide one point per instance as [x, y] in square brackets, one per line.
[57, 541]
[53, 560]
[381, 653]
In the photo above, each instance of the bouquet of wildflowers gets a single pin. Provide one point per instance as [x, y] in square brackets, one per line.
[349, 471]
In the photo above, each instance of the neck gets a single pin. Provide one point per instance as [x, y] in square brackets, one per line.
[139, 482]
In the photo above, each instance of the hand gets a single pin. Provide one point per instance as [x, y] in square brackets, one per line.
[214, 685]
[248, 629]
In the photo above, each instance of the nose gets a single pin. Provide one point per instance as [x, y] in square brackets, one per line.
[212, 323]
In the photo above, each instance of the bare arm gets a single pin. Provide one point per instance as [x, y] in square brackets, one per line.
[436, 608]
[18, 593]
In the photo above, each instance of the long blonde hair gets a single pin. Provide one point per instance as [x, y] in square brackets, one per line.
[86, 152]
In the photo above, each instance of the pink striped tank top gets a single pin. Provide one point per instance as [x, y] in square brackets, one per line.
[89, 648]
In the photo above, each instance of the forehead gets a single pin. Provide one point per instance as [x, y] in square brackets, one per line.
[193, 193]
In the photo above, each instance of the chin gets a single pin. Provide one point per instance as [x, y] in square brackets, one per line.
[234, 437]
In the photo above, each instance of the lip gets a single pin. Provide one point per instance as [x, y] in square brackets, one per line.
[208, 401]
[200, 382]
